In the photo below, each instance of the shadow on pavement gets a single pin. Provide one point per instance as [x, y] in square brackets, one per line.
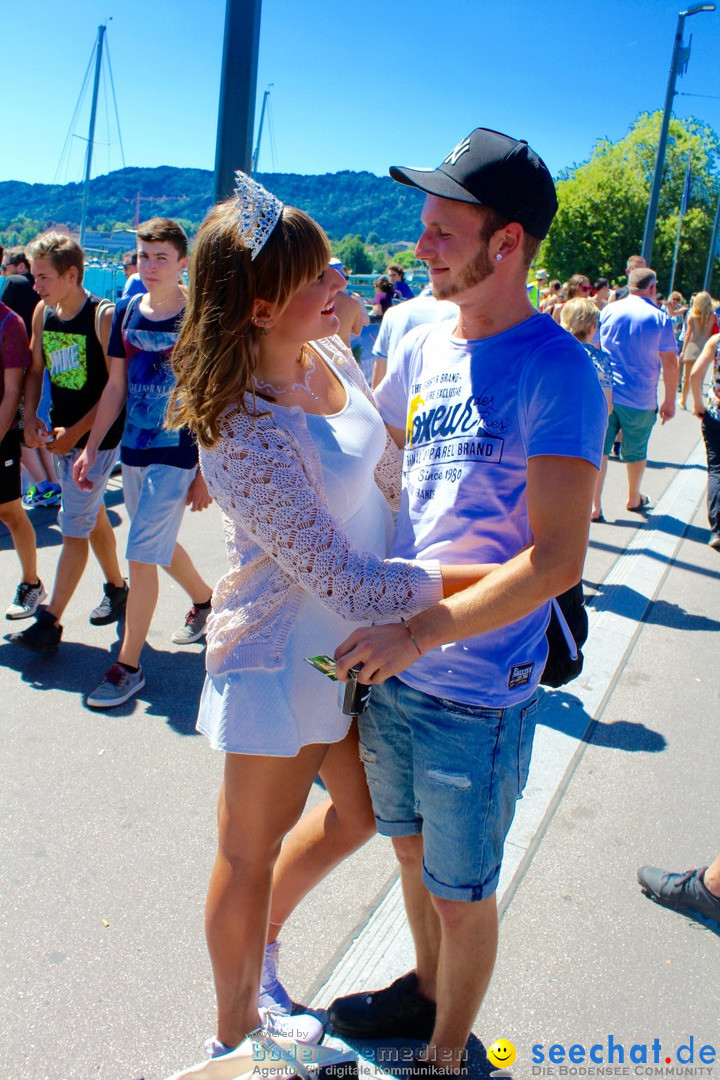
[663, 613]
[47, 531]
[173, 682]
[674, 465]
[173, 679]
[562, 711]
[623, 599]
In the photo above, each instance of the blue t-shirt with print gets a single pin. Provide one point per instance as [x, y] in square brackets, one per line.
[147, 346]
[473, 413]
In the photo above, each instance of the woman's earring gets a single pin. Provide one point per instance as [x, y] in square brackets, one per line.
[498, 258]
[262, 326]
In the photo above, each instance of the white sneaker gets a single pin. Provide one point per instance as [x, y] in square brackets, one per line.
[215, 1049]
[273, 994]
[27, 600]
[302, 1027]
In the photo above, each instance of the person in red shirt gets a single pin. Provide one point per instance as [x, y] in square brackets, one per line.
[14, 362]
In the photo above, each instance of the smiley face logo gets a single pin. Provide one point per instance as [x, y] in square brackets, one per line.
[501, 1053]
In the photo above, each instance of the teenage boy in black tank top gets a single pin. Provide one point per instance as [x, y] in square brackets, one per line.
[70, 336]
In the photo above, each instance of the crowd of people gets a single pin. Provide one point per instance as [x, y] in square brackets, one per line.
[634, 335]
[449, 507]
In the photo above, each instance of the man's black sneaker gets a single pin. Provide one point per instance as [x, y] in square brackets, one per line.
[112, 605]
[398, 1011]
[682, 892]
[42, 636]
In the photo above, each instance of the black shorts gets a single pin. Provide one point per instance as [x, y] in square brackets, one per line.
[10, 488]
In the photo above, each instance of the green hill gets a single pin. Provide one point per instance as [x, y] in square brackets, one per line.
[356, 203]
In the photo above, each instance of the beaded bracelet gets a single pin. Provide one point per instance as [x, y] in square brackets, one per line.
[412, 636]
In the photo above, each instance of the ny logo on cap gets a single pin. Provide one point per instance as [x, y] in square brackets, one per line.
[460, 149]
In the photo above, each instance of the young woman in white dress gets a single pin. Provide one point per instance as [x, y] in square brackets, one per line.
[291, 449]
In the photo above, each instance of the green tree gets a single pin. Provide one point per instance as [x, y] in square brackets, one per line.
[407, 259]
[354, 254]
[603, 203]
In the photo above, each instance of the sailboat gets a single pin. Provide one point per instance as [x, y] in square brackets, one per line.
[101, 55]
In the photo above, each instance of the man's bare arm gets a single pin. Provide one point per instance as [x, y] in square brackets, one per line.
[559, 497]
[669, 363]
[32, 390]
[12, 394]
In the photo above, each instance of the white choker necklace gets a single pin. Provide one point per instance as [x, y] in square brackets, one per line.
[304, 385]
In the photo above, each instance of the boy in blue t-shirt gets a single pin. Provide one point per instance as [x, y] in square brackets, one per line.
[160, 467]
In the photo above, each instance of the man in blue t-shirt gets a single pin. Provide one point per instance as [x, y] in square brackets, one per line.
[639, 338]
[400, 319]
[501, 419]
[160, 467]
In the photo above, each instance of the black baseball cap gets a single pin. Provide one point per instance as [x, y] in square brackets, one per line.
[495, 170]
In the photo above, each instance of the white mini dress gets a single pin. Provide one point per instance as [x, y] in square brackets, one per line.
[275, 713]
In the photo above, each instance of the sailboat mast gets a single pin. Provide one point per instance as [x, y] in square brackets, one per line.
[256, 155]
[91, 133]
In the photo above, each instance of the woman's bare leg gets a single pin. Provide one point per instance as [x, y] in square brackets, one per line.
[261, 798]
[327, 834]
[684, 383]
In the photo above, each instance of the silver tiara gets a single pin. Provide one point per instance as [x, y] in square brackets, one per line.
[258, 212]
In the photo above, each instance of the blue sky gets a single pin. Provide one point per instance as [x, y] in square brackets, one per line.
[355, 85]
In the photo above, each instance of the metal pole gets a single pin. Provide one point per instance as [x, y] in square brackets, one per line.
[236, 114]
[684, 199]
[675, 257]
[91, 134]
[713, 247]
[649, 233]
[256, 155]
[678, 64]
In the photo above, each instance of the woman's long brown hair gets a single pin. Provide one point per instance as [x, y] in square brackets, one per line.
[218, 351]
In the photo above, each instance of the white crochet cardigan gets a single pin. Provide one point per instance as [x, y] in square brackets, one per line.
[282, 541]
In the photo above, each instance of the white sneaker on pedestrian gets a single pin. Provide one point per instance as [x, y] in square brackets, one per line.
[273, 994]
[28, 598]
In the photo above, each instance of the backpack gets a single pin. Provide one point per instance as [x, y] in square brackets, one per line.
[566, 634]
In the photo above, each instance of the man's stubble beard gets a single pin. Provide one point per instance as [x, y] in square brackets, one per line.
[473, 273]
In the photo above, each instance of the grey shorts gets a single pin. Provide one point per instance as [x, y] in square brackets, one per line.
[155, 497]
[80, 509]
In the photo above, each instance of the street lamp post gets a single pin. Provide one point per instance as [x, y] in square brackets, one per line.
[678, 65]
[713, 248]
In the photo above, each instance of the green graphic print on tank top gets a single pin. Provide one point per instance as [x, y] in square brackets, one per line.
[66, 358]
